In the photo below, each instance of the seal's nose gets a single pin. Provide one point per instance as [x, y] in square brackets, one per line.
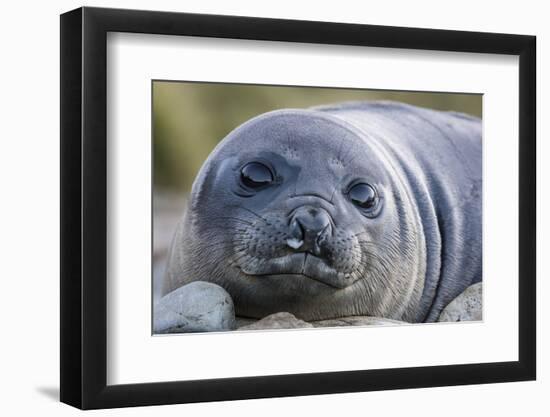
[308, 227]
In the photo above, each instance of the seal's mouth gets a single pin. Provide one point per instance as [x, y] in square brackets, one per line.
[299, 264]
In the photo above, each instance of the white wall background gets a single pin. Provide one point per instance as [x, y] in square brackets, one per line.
[29, 226]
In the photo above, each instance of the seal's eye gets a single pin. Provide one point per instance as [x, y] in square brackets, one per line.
[256, 174]
[363, 195]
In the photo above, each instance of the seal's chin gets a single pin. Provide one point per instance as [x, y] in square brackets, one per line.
[301, 264]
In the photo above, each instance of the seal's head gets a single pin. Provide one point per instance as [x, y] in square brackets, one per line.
[298, 211]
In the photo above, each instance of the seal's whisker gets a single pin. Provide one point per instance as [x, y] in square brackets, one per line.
[360, 233]
[233, 242]
[216, 228]
[366, 244]
[236, 219]
[222, 243]
[379, 264]
[257, 215]
[238, 258]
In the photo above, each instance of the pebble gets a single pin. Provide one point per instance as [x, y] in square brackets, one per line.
[196, 307]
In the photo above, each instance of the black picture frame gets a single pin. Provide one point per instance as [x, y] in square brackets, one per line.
[84, 207]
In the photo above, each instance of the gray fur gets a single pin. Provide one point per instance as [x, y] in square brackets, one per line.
[421, 250]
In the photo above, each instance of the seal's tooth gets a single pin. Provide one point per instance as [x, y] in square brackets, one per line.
[294, 243]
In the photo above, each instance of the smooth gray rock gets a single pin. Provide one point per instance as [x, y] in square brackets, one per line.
[357, 321]
[466, 307]
[196, 307]
[288, 321]
[277, 321]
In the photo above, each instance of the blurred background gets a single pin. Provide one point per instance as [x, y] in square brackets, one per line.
[190, 118]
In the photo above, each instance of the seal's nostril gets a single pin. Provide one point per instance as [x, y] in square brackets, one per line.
[308, 227]
[296, 230]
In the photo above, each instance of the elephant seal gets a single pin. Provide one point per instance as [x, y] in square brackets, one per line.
[352, 209]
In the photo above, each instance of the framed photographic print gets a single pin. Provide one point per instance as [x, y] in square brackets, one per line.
[257, 208]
